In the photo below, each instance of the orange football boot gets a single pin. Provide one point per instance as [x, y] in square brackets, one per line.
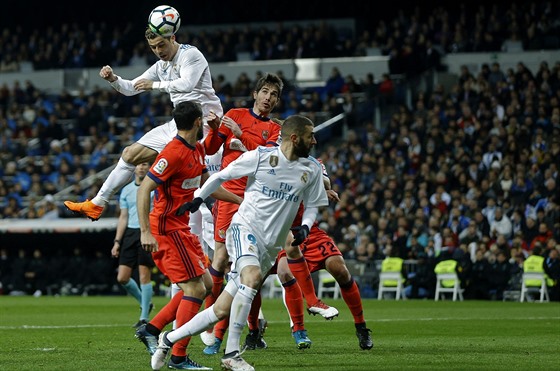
[86, 208]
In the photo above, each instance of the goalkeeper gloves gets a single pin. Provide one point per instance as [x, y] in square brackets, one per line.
[300, 234]
[190, 206]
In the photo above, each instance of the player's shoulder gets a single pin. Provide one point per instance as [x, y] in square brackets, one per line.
[173, 149]
[189, 51]
[313, 163]
[238, 113]
[273, 124]
[267, 150]
[190, 47]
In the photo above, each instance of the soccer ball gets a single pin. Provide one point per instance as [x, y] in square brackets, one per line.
[164, 20]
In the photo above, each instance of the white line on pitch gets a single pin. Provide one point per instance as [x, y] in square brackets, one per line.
[39, 327]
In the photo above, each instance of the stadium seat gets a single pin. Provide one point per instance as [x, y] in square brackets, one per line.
[534, 282]
[391, 278]
[447, 280]
[327, 284]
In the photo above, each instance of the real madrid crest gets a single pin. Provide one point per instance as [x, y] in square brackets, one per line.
[273, 161]
[305, 177]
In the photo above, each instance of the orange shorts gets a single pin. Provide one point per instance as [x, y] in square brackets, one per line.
[223, 213]
[179, 256]
[316, 249]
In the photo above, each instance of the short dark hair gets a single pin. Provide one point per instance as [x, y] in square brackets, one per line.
[150, 35]
[270, 79]
[186, 113]
[295, 124]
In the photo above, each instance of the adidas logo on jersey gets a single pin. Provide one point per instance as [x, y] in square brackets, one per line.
[271, 172]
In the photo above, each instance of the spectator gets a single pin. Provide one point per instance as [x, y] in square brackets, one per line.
[541, 239]
[478, 281]
[335, 83]
[501, 225]
[499, 276]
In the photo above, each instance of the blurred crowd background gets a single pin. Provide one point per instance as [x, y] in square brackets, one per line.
[468, 171]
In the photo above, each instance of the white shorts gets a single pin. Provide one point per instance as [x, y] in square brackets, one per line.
[240, 241]
[158, 137]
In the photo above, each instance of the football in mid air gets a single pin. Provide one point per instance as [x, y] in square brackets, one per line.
[164, 20]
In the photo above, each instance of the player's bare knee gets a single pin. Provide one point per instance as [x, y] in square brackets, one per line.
[337, 268]
[253, 281]
[342, 277]
[284, 275]
[221, 257]
[293, 252]
[251, 275]
[220, 311]
[208, 284]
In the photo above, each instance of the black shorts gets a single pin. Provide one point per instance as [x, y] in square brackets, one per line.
[131, 252]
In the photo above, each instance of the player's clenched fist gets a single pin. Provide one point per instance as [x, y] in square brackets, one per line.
[107, 74]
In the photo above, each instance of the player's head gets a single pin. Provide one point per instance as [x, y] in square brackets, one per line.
[187, 115]
[164, 47]
[298, 130]
[141, 170]
[267, 93]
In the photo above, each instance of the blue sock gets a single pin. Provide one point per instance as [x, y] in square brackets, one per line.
[132, 288]
[147, 292]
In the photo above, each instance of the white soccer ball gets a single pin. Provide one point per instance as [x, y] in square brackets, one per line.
[164, 20]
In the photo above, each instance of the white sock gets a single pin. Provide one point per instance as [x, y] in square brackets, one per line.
[240, 308]
[286, 305]
[119, 177]
[174, 289]
[196, 325]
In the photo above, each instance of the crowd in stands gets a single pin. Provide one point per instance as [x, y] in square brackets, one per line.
[469, 172]
[466, 174]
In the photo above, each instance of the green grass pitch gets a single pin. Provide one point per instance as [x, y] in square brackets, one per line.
[95, 333]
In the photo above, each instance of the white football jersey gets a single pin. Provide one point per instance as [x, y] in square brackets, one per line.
[275, 188]
[186, 78]
[214, 162]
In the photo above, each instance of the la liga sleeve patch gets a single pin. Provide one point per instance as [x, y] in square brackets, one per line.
[160, 167]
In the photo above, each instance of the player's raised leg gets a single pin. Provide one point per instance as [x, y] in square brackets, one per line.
[120, 176]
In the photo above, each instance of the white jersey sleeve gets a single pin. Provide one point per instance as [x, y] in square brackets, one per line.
[244, 165]
[126, 87]
[316, 195]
